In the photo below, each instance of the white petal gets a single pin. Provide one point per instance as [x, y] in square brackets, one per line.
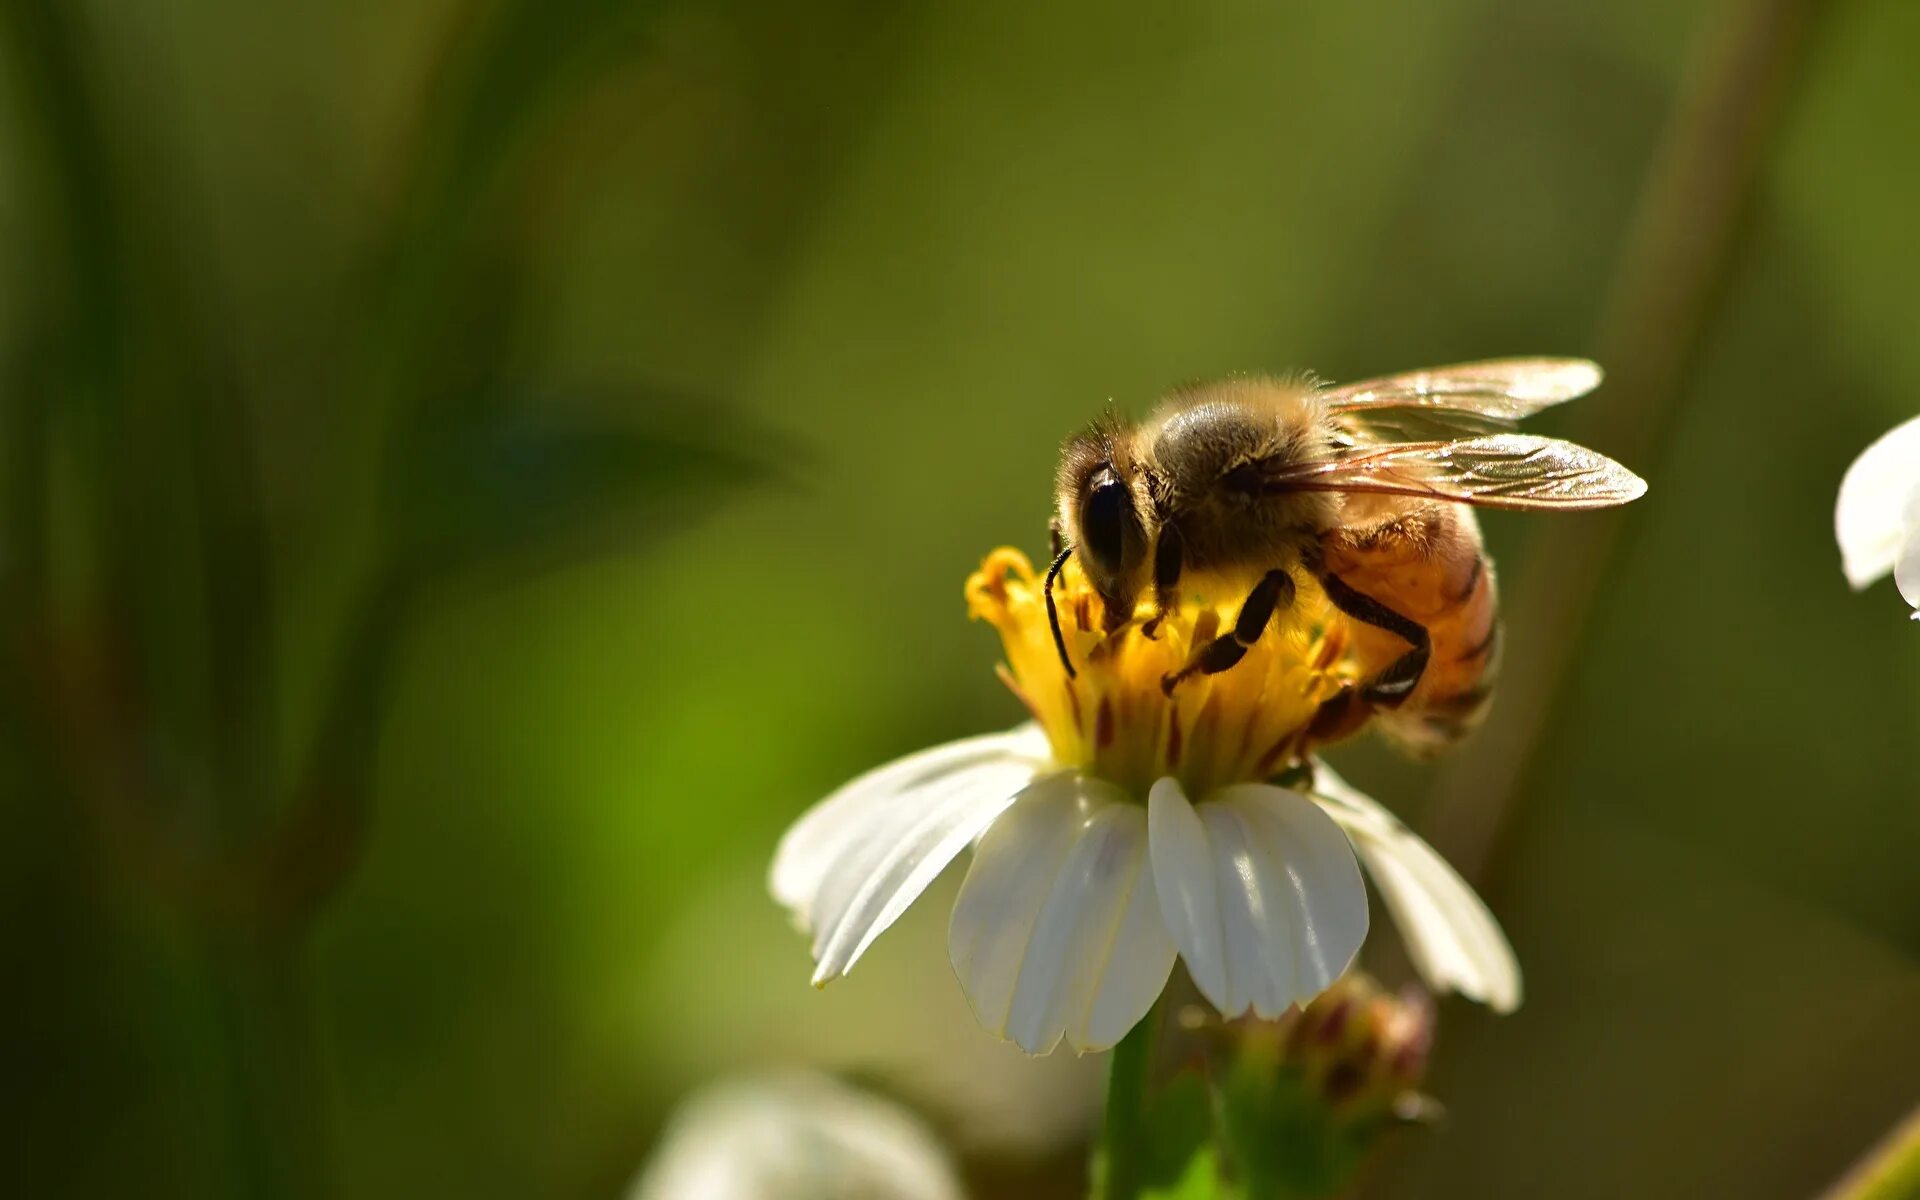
[1906, 572]
[1870, 517]
[1453, 940]
[1183, 876]
[1012, 872]
[810, 845]
[1259, 967]
[1057, 931]
[1268, 906]
[1314, 870]
[794, 1135]
[853, 864]
[1138, 963]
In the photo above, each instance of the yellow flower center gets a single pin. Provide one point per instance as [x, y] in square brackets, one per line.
[1115, 720]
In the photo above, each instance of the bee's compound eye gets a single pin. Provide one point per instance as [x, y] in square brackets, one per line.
[1104, 516]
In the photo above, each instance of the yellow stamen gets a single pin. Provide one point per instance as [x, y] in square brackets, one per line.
[1116, 721]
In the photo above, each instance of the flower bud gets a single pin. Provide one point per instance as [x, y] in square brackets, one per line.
[1361, 1049]
[1303, 1100]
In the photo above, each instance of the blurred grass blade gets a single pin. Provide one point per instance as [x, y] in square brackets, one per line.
[509, 72]
[119, 366]
[68, 346]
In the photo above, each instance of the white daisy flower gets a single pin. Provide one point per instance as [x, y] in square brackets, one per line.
[1877, 517]
[1124, 826]
[794, 1136]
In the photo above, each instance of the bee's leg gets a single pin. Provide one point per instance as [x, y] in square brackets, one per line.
[1273, 592]
[1397, 682]
[1338, 716]
[1166, 578]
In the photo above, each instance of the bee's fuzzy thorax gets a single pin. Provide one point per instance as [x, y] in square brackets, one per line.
[1203, 436]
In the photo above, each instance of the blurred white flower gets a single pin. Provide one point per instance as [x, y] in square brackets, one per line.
[795, 1136]
[1117, 832]
[1877, 517]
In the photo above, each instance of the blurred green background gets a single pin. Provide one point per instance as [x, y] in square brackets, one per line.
[473, 472]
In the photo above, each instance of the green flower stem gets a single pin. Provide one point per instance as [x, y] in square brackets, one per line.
[1687, 238]
[1890, 1171]
[1116, 1173]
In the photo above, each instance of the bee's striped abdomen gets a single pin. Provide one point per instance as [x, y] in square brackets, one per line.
[1427, 564]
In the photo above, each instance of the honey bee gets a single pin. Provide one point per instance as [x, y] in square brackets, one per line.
[1362, 490]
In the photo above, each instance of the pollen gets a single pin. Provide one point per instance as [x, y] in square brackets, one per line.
[1114, 718]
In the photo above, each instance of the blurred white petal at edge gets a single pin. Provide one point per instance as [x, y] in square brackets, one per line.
[1870, 518]
[854, 862]
[1453, 939]
[1260, 891]
[794, 1135]
[1906, 572]
[1057, 930]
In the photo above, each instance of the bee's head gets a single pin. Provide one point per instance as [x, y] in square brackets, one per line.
[1102, 512]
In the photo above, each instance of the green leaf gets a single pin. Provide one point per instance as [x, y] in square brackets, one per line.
[1200, 1181]
[513, 487]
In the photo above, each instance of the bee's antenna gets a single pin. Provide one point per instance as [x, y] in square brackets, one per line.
[1053, 613]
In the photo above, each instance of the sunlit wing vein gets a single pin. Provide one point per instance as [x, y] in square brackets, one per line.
[1503, 471]
[1504, 389]
[1385, 425]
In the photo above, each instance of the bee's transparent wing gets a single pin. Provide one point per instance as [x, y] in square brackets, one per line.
[1508, 470]
[1388, 425]
[1499, 390]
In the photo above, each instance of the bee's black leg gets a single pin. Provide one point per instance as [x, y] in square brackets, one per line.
[1338, 715]
[1397, 682]
[1273, 592]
